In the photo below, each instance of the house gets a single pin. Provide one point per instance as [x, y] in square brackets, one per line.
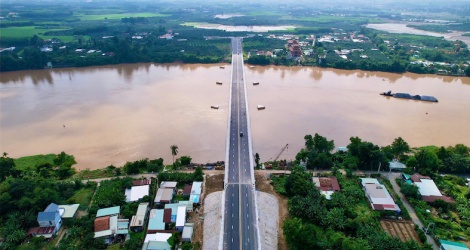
[69, 210]
[174, 210]
[107, 224]
[451, 245]
[164, 196]
[136, 193]
[326, 185]
[188, 230]
[187, 190]
[138, 220]
[142, 182]
[169, 185]
[157, 241]
[378, 195]
[428, 189]
[180, 218]
[196, 191]
[396, 165]
[156, 223]
[187, 204]
[294, 49]
[49, 222]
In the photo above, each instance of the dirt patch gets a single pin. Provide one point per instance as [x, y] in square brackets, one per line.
[401, 229]
[262, 183]
[214, 183]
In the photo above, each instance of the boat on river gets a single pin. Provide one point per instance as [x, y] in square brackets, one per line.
[219, 83]
[255, 83]
[424, 98]
[215, 107]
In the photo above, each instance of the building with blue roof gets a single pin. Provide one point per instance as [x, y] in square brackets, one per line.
[156, 223]
[452, 245]
[49, 222]
[108, 211]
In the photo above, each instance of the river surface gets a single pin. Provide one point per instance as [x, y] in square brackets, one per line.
[110, 115]
[403, 29]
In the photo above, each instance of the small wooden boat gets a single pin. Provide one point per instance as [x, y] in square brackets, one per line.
[215, 107]
[260, 107]
[255, 83]
[222, 67]
[219, 83]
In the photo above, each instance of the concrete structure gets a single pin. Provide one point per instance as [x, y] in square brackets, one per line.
[326, 185]
[174, 210]
[108, 226]
[188, 230]
[428, 189]
[164, 196]
[157, 241]
[169, 184]
[49, 222]
[69, 211]
[156, 223]
[142, 182]
[451, 245]
[136, 193]
[196, 191]
[378, 195]
[187, 204]
[108, 211]
[239, 218]
[138, 220]
[396, 165]
[180, 218]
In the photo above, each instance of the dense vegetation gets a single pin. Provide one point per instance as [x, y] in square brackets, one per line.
[344, 222]
[78, 34]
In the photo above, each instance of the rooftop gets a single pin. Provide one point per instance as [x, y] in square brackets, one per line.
[378, 195]
[106, 226]
[164, 195]
[108, 211]
[69, 210]
[141, 182]
[181, 216]
[427, 187]
[136, 193]
[396, 165]
[196, 188]
[452, 245]
[156, 220]
[168, 184]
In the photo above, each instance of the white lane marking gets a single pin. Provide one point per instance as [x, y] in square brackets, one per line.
[232, 227]
[232, 215]
[248, 228]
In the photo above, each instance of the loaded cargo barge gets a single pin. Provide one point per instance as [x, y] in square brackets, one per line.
[425, 98]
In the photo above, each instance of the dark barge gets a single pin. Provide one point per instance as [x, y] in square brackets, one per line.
[425, 98]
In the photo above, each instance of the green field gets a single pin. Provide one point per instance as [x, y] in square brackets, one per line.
[29, 162]
[83, 196]
[26, 31]
[118, 16]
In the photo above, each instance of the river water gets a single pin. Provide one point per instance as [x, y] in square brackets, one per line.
[113, 114]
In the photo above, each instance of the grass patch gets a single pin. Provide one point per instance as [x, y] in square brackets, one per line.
[83, 196]
[279, 183]
[30, 162]
[119, 16]
[26, 31]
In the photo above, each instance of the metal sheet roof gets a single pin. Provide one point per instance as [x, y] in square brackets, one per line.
[108, 211]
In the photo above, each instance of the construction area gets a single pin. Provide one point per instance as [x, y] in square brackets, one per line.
[400, 229]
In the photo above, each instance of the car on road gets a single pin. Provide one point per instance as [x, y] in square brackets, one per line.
[241, 134]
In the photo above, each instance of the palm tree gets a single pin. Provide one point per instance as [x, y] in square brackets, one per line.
[5, 154]
[174, 152]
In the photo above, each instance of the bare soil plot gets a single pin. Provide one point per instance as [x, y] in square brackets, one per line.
[263, 184]
[400, 229]
[213, 183]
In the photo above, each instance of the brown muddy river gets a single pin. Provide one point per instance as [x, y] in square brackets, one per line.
[110, 115]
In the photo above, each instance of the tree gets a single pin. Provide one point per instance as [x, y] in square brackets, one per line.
[427, 162]
[185, 160]
[399, 147]
[7, 167]
[174, 152]
[257, 160]
[410, 191]
[299, 182]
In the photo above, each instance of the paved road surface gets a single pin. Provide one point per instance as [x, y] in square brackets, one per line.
[240, 214]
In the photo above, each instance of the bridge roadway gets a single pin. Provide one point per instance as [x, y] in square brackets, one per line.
[240, 221]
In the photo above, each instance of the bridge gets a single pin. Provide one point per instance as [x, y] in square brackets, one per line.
[240, 218]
